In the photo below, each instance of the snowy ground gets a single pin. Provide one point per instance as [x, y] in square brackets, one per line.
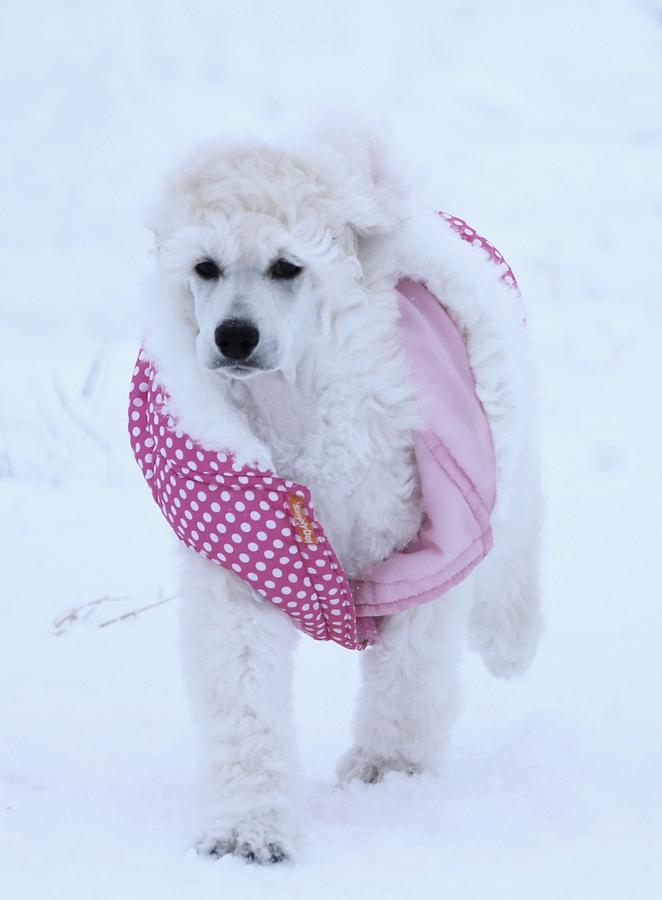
[540, 124]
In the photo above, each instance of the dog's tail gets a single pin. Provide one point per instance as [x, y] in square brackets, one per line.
[506, 621]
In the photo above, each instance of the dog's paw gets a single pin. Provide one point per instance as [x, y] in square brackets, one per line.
[360, 765]
[506, 640]
[251, 841]
[216, 847]
[266, 853]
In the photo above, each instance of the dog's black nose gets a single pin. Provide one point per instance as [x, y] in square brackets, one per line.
[236, 338]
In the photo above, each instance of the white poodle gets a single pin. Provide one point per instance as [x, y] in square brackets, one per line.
[273, 321]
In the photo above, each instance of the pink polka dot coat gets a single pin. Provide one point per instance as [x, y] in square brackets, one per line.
[264, 528]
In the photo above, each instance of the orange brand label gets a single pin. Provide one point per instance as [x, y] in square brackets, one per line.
[301, 520]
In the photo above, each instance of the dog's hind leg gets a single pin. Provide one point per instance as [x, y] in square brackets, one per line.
[409, 697]
[238, 656]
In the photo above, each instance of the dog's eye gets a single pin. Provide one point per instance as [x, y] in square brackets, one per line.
[208, 270]
[282, 270]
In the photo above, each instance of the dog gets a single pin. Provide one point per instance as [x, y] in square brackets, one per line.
[273, 317]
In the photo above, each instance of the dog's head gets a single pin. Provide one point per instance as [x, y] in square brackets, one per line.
[262, 250]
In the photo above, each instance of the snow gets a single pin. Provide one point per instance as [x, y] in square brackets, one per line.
[538, 123]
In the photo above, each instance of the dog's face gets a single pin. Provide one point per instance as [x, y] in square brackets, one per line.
[241, 309]
[253, 287]
[263, 252]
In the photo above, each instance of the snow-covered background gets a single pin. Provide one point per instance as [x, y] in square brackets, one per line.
[540, 123]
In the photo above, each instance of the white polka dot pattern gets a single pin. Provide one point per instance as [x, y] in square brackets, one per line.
[248, 520]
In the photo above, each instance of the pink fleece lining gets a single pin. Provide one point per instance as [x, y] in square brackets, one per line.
[455, 462]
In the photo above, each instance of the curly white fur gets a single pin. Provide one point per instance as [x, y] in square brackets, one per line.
[338, 413]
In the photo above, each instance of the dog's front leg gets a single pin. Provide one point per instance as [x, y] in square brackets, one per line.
[409, 697]
[238, 661]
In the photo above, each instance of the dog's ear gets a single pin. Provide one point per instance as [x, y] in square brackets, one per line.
[370, 197]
